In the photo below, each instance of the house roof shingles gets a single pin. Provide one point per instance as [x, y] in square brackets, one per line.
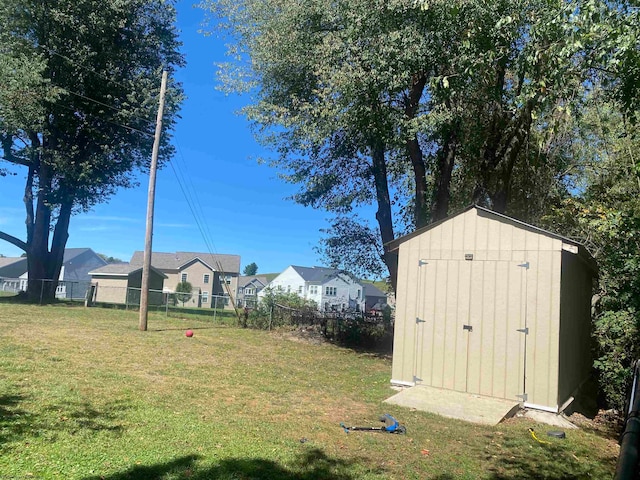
[173, 261]
[244, 280]
[370, 290]
[315, 274]
[120, 269]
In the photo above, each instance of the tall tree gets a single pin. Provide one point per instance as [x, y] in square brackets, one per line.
[605, 215]
[77, 103]
[250, 269]
[411, 106]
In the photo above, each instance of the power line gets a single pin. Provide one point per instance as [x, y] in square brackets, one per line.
[193, 205]
[118, 109]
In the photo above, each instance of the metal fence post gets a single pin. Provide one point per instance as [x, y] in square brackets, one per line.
[41, 289]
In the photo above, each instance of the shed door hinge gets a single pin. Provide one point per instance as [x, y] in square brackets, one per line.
[524, 330]
[422, 262]
[525, 265]
[524, 397]
[419, 320]
[416, 379]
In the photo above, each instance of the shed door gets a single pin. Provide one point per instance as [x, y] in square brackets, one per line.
[470, 327]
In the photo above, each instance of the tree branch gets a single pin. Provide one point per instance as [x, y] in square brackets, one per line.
[13, 240]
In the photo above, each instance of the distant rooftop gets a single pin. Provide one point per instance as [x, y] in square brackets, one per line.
[173, 261]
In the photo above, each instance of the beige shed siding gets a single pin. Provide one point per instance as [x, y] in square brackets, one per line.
[494, 295]
[575, 315]
[110, 289]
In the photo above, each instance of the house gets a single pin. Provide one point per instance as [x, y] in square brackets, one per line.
[121, 283]
[74, 276]
[492, 306]
[329, 288]
[248, 289]
[374, 299]
[11, 268]
[212, 277]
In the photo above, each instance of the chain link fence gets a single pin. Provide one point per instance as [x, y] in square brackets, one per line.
[171, 303]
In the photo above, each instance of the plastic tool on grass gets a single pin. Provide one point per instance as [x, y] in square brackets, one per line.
[533, 434]
[391, 425]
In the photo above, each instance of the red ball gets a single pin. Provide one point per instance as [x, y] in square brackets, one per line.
[189, 333]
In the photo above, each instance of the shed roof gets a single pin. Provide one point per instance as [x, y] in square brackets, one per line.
[120, 270]
[582, 250]
[174, 261]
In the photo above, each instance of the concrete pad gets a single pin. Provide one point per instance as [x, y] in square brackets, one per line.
[451, 404]
[555, 419]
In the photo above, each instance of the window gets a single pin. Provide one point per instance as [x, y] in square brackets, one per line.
[183, 277]
[358, 294]
[205, 278]
[249, 291]
[331, 291]
[313, 289]
[300, 288]
[288, 288]
[226, 279]
[205, 297]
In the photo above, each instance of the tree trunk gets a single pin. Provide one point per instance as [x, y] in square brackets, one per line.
[383, 215]
[446, 162]
[38, 247]
[421, 217]
[412, 102]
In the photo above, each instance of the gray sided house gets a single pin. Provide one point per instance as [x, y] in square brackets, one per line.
[248, 289]
[209, 275]
[121, 283]
[374, 299]
[11, 268]
[492, 306]
[74, 276]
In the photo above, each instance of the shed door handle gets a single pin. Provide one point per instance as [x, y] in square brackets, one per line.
[468, 327]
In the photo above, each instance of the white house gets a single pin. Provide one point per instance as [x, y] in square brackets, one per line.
[331, 289]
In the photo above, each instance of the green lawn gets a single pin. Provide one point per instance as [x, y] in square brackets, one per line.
[85, 395]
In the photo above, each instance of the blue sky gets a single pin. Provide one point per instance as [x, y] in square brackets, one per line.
[243, 204]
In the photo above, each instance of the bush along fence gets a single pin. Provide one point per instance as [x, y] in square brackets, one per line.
[347, 328]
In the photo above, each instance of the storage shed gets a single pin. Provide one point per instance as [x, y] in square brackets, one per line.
[490, 305]
[121, 283]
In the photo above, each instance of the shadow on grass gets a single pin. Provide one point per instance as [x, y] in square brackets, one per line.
[14, 422]
[311, 465]
[556, 461]
[76, 417]
[19, 425]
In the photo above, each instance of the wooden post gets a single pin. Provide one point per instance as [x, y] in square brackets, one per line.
[146, 266]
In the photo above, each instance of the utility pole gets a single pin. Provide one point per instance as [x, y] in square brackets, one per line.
[146, 266]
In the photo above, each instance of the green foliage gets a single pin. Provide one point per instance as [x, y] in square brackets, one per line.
[617, 334]
[80, 83]
[466, 100]
[348, 245]
[606, 217]
[184, 292]
[250, 269]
